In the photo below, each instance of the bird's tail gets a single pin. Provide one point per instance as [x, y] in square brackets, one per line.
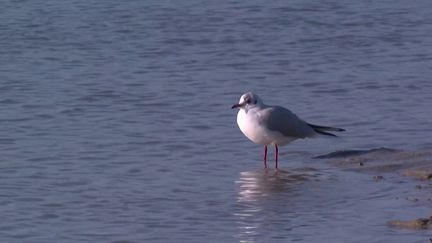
[323, 130]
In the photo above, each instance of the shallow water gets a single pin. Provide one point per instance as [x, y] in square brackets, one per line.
[116, 122]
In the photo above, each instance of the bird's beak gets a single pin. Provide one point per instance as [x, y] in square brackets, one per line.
[236, 106]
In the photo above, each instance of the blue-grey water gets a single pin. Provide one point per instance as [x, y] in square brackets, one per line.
[115, 119]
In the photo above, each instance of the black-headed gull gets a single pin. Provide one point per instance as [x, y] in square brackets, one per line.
[273, 125]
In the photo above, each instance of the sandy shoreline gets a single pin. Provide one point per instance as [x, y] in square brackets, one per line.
[381, 162]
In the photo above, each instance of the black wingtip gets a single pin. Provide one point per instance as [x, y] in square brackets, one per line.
[324, 130]
[325, 133]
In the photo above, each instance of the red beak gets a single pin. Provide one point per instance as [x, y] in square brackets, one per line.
[236, 106]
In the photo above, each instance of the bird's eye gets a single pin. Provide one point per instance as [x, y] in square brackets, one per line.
[248, 100]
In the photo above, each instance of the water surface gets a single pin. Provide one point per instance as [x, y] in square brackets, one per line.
[116, 122]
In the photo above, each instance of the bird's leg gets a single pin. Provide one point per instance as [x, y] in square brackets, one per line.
[276, 155]
[265, 156]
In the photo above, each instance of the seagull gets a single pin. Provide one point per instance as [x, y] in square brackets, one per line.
[274, 125]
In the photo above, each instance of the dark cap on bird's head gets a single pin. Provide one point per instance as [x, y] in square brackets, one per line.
[247, 99]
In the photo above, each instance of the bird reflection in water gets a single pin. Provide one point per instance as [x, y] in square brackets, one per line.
[258, 198]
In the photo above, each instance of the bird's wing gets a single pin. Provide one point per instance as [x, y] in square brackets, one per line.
[282, 120]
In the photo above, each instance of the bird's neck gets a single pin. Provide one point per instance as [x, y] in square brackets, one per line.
[254, 107]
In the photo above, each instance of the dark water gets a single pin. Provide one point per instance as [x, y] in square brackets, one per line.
[115, 119]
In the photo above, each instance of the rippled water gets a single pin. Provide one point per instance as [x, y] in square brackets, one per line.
[116, 122]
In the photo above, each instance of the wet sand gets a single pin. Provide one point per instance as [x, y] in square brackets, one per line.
[382, 163]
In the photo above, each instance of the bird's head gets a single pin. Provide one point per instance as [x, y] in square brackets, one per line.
[248, 100]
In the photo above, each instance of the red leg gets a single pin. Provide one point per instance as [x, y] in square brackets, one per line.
[276, 155]
[265, 156]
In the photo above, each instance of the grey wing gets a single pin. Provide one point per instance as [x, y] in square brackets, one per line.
[279, 119]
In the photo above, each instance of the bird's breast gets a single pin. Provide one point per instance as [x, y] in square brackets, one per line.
[249, 125]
